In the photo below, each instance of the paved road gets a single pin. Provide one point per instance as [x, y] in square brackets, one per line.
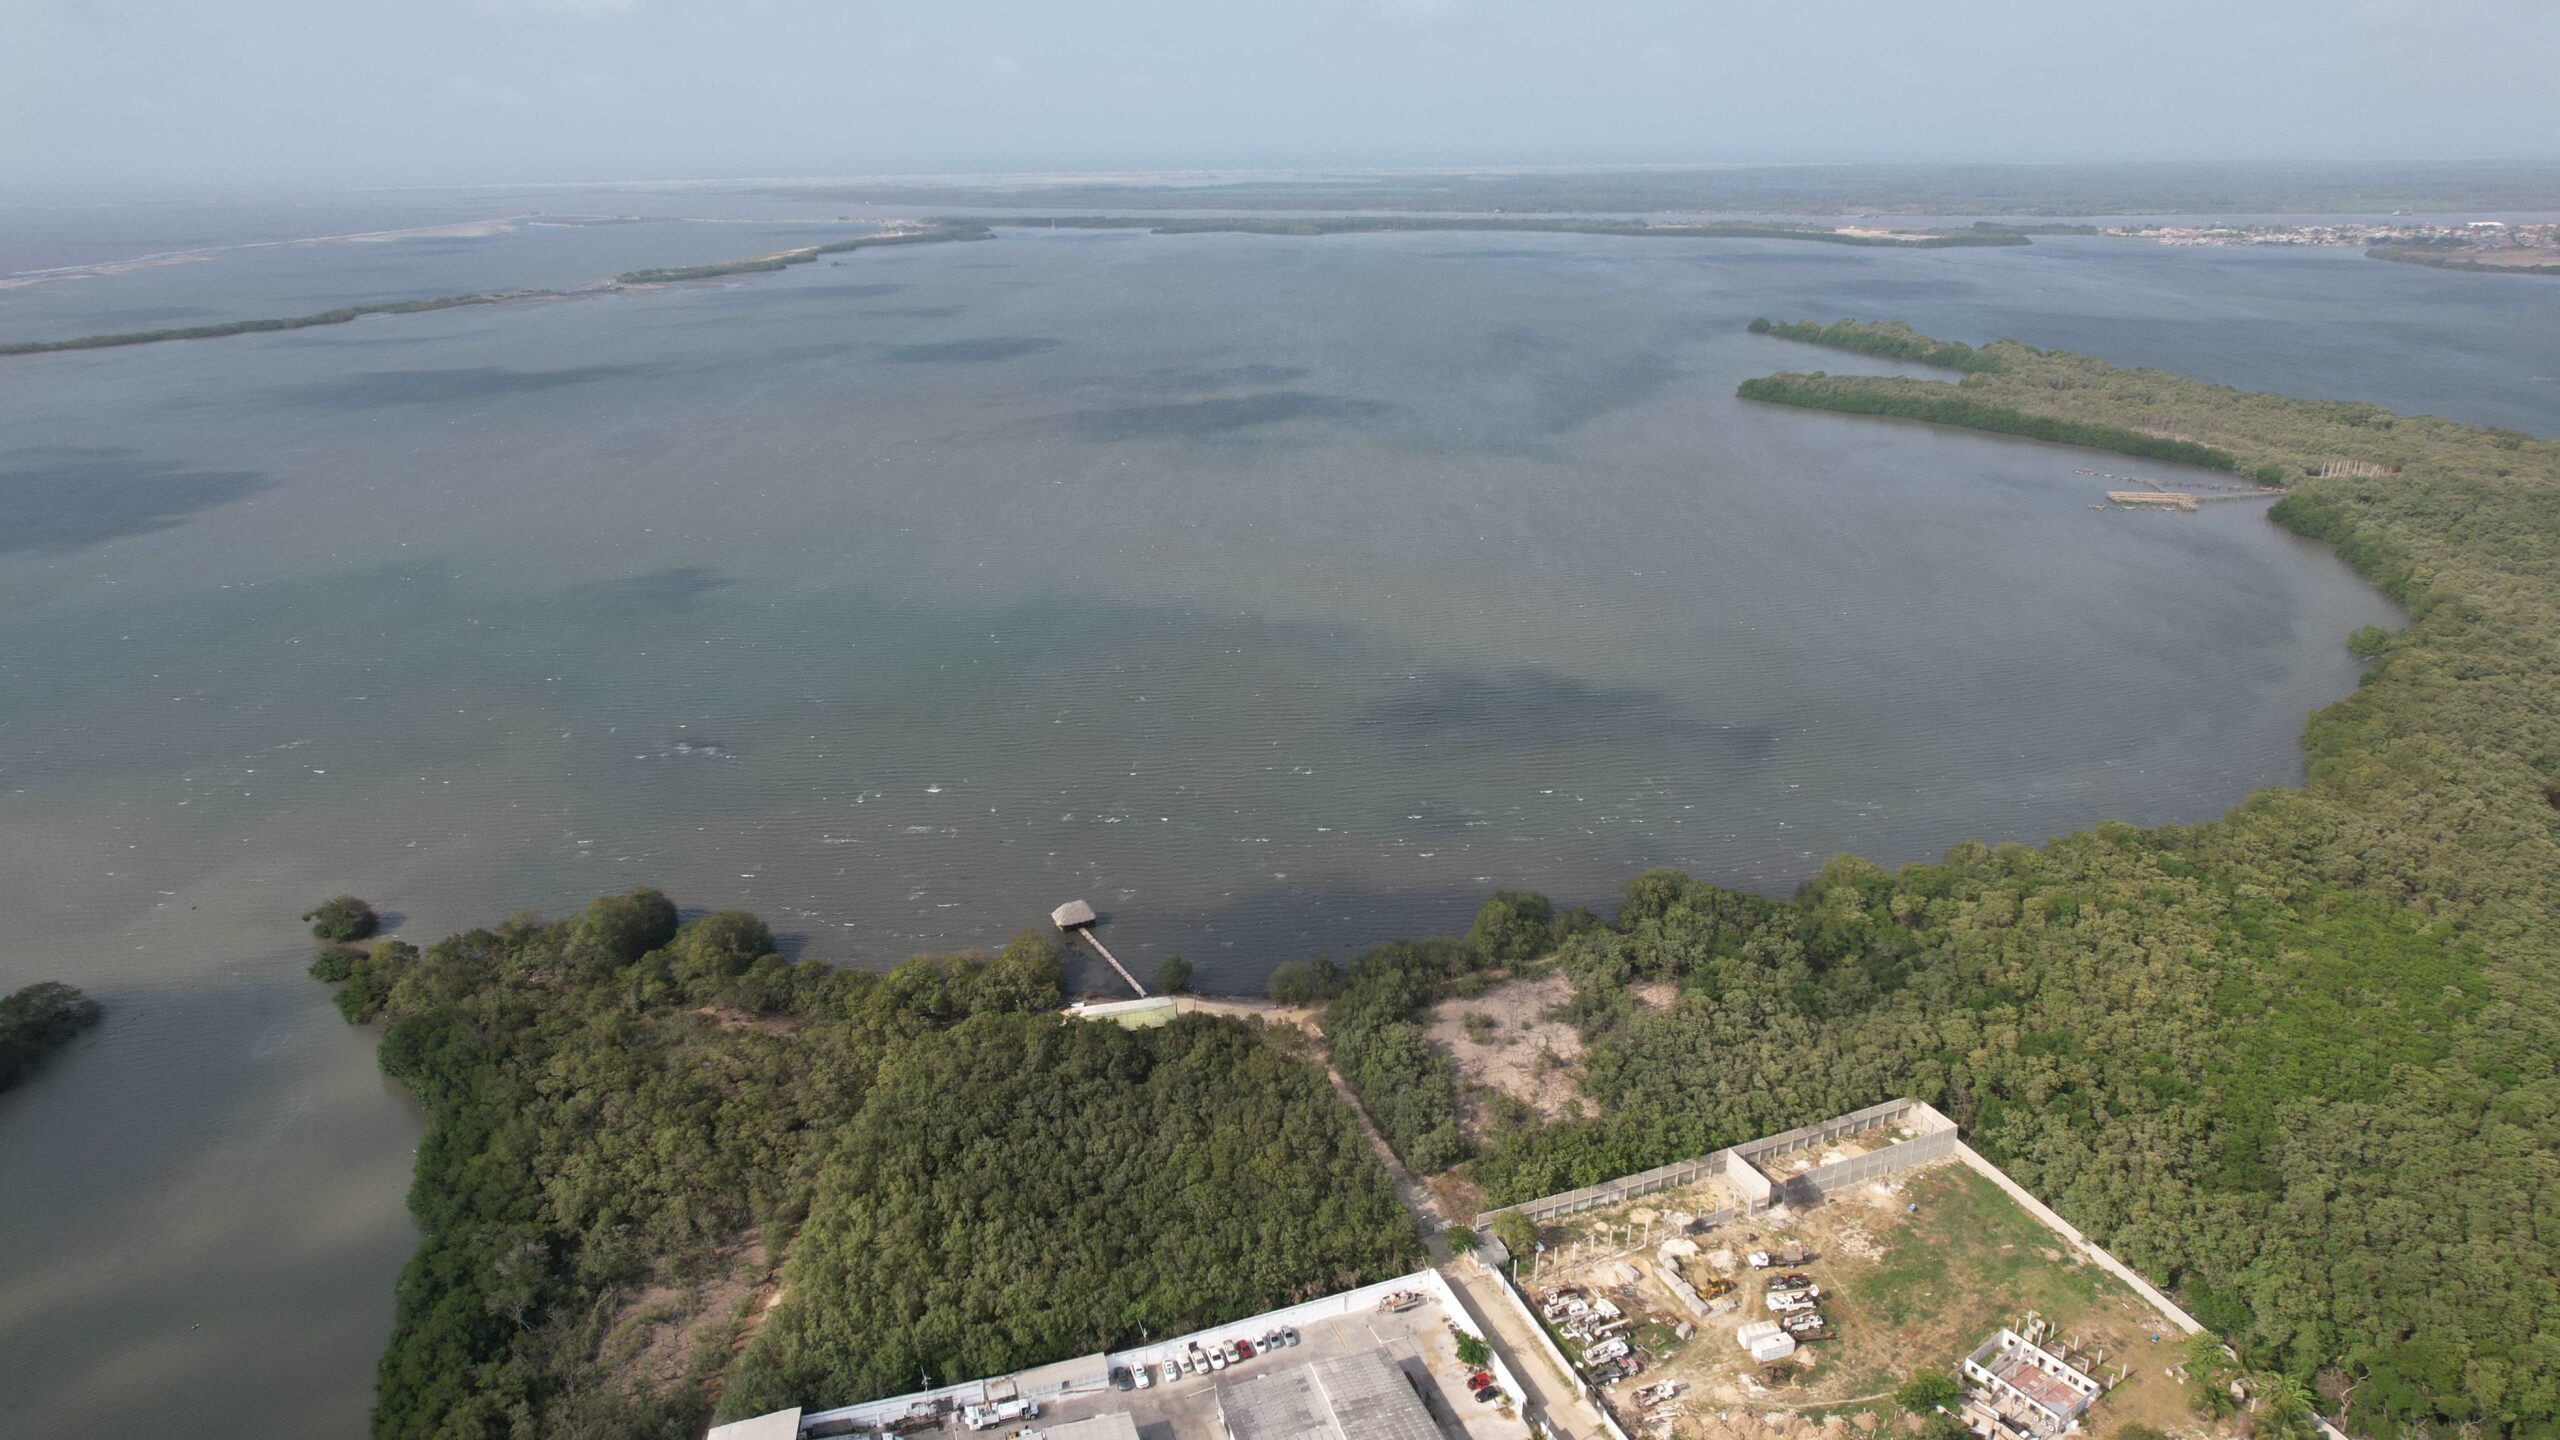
[1555, 1394]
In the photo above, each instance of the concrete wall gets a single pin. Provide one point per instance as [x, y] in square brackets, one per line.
[1857, 1170]
[1920, 1117]
[1519, 1303]
[1747, 1181]
[1737, 1165]
[1610, 1192]
[2079, 1242]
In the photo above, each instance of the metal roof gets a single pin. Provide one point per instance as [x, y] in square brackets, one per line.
[1361, 1396]
[1372, 1400]
[1284, 1406]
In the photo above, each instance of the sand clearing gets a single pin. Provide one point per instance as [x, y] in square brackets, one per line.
[1509, 1057]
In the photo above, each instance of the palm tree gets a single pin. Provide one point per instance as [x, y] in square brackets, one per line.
[2284, 1403]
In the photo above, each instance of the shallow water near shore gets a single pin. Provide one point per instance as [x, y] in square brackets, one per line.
[1276, 595]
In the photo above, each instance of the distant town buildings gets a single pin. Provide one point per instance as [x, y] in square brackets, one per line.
[2484, 235]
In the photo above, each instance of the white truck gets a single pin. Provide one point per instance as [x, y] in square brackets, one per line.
[988, 1417]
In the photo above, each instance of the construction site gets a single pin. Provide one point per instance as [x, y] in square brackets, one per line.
[1796, 1282]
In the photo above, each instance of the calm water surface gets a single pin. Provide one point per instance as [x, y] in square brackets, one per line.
[1276, 595]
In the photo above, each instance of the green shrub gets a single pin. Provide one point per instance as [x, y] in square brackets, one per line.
[343, 919]
[1927, 1392]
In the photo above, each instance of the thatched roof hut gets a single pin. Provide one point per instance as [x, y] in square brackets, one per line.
[1073, 914]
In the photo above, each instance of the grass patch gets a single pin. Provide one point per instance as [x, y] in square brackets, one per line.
[1966, 1228]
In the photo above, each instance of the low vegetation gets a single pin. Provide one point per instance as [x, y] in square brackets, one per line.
[339, 316]
[1941, 404]
[2492, 263]
[38, 1019]
[629, 1120]
[1889, 338]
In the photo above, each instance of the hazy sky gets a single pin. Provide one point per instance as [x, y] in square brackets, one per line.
[164, 91]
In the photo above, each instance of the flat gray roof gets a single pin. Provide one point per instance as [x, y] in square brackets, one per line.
[1372, 1399]
[1361, 1396]
[1282, 1406]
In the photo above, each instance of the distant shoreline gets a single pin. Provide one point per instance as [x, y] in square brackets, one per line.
[629, 280]
[1313, 225]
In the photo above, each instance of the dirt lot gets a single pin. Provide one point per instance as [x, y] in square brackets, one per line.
[1523, 1054]
[1903, 1291]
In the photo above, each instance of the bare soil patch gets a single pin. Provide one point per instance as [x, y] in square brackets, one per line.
[1459, 1198]
[1513, 1049]
[1270, 1012]
[661, 1332]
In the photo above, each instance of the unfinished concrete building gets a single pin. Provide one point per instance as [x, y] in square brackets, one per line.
[2016, 1389]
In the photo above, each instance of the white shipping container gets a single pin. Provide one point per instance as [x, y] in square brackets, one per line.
[1773, 1347]
[1753, 1333]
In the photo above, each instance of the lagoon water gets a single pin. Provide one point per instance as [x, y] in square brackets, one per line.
[1277, 595]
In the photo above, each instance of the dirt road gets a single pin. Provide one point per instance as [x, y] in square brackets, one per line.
[1557, 1396]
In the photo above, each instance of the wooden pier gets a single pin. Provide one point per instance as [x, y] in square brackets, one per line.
[1077, 918]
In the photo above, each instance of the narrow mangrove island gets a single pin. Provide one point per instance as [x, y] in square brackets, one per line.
[784, 259]
[339, 316]
[636, 279]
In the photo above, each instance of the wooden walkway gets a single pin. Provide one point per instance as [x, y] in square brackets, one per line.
[1086, 931]
[1078, 918]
